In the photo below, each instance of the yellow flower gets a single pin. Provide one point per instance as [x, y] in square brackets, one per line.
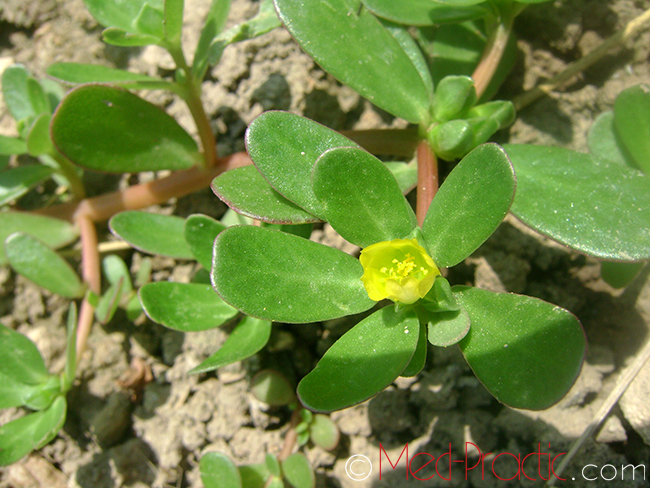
[400, 270]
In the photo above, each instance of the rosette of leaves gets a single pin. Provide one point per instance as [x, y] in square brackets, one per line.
[525, 351]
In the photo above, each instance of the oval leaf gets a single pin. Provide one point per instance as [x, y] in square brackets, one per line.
[447, 328]
[152, 233]
[200, 233]
[12, 145]
[358, 50]
[272, 388]
[470, 205]
[53, 232]
[632, 123]
[247, 192]
[276, 276]
[364, 361]
[424, 12]
[298, 472]
[15, 182]
[37, 262]
[119, 13]
[23, 95]
[78, 73]
[188, 307]
[33, 431]
[109, 129]
[360, 197]
[247, 339]
[284, 148]
[602, 140]
[525, 351]
[324, 432]
[218, 471]
[594, 206]
[20, 359]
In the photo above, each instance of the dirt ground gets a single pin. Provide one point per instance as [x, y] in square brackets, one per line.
[109, 440]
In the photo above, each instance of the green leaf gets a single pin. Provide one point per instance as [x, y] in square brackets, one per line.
[525, 351]
[149, 21]
[13, 393]
[173, 21]
[363, 362]
[470, 205]
[71, 349]
[455, 96]
[247, 192]
[23, 95]
[265, 21]
[42, 396]
[452, 140]
[115, 270]
[188, 307]
[298, 472]
[419, 358]
[284, 148]
[276, 276]
[200, 233]
[38, 139]
[78, 73]
[37, 262]
[360, 197]
[15, 182]
[272, 388]
[12, 145]
[152, 233]
[20, 359]
[592, 205]
[218, 471]
[632, 124]
[619, 275]
[109, 302]
[122, 38]
[109, 129]
[324, 432]
[447, 328]
[440, 298]
[405, 174]
[33, 431]
[272, 464]
[358, 50]
[602, 141]
[424, 12]
[119, 13]
[254, 475]
[214, 23]
[53, 232]
[247, 339]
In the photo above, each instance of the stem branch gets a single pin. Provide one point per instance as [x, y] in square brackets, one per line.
[427, 180]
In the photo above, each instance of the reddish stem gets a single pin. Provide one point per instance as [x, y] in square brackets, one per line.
[427, 180]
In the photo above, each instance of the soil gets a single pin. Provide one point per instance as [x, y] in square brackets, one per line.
[113, 439]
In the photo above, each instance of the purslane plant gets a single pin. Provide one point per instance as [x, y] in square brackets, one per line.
[525, 351]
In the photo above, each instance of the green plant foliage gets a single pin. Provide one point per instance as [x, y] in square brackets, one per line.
[254, 475]
[369, 356]
[246, 191]
[37, 262]
[33, 431]
[188, 307]
[53, 232]
[298, 472]
[218, 471]
[357, 49]
[555, 196]
[619, 275]
[602, 141]
[425, 12]
[362, 213]
[78, 73]
[12, 145]
[23, 95]
[15, 182]
[323, 432]
[152, 233]
[419, 358]
[173, 21]
[469, 205]
[447, 328]
[632, 124]
[20, 359]
[214, 23]
[272, 388]
[247, 339]
[109, 302]
[284, 148]
[297, 281]
[525, 351]
[38, 139]
[120, 13]
[109, 129]
[200, 233]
